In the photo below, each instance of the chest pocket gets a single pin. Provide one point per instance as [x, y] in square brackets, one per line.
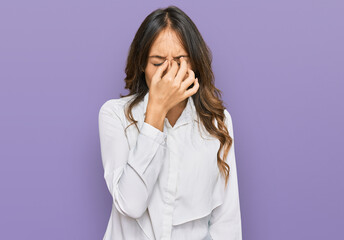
[200, 185]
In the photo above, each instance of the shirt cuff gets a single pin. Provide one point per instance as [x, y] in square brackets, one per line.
[154, 133]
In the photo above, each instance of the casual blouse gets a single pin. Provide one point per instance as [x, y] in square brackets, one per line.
[166, 184]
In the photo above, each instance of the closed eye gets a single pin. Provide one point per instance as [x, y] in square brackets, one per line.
[159, 64]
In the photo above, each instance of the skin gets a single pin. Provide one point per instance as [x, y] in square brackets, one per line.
[168, 82]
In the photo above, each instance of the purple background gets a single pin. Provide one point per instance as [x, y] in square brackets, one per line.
[279, 65]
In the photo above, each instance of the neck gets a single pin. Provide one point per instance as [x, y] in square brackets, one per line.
[174, 113]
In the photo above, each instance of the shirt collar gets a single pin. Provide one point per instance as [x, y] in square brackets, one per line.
[188, 115]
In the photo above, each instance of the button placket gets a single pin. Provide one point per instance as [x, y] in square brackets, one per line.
[170, 192]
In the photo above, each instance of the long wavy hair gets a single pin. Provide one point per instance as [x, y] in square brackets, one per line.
[207, 99]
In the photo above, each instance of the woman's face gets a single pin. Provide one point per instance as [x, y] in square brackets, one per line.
[166, 46]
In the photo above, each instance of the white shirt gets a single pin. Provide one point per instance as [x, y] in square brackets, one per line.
[166, 185]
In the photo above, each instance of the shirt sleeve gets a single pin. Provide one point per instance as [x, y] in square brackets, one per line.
[225, 220]
[130, 174]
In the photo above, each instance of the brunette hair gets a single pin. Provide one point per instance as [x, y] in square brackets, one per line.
[207, 99]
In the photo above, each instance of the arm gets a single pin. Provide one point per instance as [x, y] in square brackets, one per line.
[225, 221]
[130, 174]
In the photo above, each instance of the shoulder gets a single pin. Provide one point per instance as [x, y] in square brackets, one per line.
[228, 117]
[228, 121]
[114, 106]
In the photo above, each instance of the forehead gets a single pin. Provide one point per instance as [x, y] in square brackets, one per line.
[167, 43]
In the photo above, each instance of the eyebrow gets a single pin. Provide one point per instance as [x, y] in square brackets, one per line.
[161, 57]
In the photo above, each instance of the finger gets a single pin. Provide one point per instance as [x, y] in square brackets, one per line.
[191, 73]
[171, 74]
[189, 80]
[182, 70]
[160, 70]
[186, 75]
[192, 90]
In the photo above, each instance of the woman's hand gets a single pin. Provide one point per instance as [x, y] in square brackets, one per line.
[168, 90]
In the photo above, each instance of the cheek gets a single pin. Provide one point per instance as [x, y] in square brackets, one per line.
[149, 72]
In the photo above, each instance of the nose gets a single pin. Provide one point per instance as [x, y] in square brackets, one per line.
[170, 63]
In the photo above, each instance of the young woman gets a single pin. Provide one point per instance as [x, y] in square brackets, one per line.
[167, 147]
